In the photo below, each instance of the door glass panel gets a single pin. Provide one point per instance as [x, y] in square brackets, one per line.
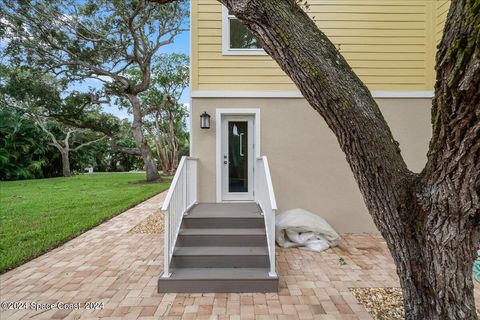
[238, 156]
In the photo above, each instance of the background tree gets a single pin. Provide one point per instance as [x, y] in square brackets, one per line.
[430, 220]
[22, 146]
[96, 39]
[64, 146]
[125, 161]
[36, 95]
[164, 115]
[25, 152]
[169, 134]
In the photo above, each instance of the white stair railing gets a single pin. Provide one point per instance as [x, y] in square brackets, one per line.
[265, 197]
[181, 196]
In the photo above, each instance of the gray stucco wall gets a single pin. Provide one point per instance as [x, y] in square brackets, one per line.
[308, 168]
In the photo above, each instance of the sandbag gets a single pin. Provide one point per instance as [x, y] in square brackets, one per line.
[301, 228]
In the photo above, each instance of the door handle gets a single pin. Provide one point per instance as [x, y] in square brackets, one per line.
[241, 144]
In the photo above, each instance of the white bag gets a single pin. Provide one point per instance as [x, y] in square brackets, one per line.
[300, 228]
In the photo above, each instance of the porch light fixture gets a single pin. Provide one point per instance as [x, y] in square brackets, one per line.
[205, 121]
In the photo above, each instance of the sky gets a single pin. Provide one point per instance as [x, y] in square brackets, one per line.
[181, 44]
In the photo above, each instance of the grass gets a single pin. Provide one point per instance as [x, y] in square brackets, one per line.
[39, 215]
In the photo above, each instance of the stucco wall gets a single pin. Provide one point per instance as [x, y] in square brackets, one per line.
[308, 168]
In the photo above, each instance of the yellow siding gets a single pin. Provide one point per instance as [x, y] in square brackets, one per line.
[442, 7]
[389, 43]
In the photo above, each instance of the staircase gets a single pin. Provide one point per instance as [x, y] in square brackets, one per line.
[218, 247]
[221, 247]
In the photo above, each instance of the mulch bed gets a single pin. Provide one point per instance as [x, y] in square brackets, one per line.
[151, 225]
[381, 303]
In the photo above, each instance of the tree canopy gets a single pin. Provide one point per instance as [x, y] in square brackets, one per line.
[97, 40]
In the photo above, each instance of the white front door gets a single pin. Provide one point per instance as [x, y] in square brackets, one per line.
[237, 158]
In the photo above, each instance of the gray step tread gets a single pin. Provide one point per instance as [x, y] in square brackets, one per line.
[224, 210]
[219, 273]
[221, 231]
[220, 251]
[224, 214]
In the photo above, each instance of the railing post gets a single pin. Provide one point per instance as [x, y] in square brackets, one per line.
[185, 188]
[195, 181]
[265, 197]
[166, 246]
[175, 206]
[255, 180]
[272, 272]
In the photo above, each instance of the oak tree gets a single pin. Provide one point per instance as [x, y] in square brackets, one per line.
[430, 220]
[42, 98]
[97, 40]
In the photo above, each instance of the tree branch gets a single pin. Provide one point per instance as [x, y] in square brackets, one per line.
[133, 32]
[88, 143]
[42, 126]
[117, 148]
[66, 141]
[162, 1]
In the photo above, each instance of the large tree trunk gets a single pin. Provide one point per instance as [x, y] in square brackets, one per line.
[146, 153]
[449, 186]
[173, 144]
[167, 146]
[65, 163]
[430, 221]
[161, 156]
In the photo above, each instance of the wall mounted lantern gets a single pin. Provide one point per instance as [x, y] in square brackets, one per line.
[205, 121]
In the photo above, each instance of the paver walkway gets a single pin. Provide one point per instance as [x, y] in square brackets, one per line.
[119, 269]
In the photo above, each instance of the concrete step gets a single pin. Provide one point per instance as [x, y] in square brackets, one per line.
[220, 257]
[205, 280]
[248, 237]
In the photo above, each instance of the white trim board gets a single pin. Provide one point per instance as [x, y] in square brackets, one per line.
[297, 94]
[403, 94]
[190, 84]
[218, 139]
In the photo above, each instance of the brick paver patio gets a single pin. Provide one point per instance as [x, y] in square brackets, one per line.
[119, 269]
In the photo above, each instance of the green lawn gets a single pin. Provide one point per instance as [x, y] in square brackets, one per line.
[38, 215]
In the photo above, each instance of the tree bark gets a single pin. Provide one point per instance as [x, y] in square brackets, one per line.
[116, 148]
[173, 143]
[160, 153]
[146, 153]
[65, 164]
[166, 143]
[430, 220]
[449, 186]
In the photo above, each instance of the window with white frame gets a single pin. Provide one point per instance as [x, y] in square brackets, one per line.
[236, 38]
